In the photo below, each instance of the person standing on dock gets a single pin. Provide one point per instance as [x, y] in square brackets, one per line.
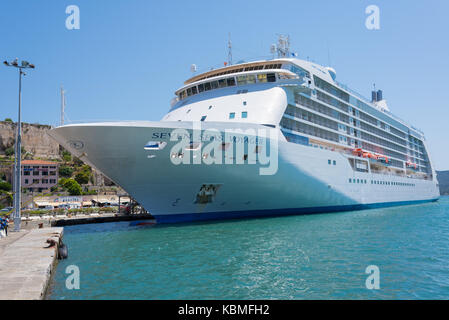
[4, 226]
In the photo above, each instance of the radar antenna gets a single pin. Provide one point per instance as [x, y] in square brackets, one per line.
[229, 50]
[283, 48]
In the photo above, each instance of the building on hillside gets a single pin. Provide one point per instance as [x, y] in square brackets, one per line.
[39, 175]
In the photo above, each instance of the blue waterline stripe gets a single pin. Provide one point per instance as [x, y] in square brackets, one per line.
[205, 216]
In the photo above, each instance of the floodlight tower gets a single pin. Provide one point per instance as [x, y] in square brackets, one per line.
[17, 168]
[62, 105]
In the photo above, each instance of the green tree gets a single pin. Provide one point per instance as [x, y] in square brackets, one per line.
[9, 151]
[8, 120]
[6, 197]
[77, 162]
[5, 186]
[86, 168]
[66, 156]
[62, 182]
[82, 177]
[65, 171]
[73, 187]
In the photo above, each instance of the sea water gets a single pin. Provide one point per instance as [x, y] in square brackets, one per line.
[320, 256]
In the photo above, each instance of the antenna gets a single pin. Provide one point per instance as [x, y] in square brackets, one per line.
[62, 105]
[283, 47]
[229, 49]
[193, 68]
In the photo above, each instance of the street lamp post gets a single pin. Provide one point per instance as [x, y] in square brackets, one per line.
[18, 153]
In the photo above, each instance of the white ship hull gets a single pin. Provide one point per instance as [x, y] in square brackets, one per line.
[304, 182]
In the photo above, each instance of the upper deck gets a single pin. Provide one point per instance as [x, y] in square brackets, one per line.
[262, 71]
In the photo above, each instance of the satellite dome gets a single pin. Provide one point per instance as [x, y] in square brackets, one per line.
[332, 73]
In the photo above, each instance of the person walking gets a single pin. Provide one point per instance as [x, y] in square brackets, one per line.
[3, 228]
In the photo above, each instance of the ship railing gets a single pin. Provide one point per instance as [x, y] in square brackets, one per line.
[82, 121]
[366, 100]
[355, 93]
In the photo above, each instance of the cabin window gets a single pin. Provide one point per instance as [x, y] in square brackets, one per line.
[194, 90]
[232, 115]
[214, 84]
[222, 83]
[201, 87]
[230, 82]
[262, 77]
[189, 92]
[241, 80]
[251, 79]
[244, 114]
[207, 86]
[271, 77]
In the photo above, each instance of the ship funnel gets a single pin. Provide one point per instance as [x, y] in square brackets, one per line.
[379, 95]
[376, 96]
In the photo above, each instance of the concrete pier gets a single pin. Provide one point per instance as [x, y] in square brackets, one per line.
[102, 219]
[26, 263]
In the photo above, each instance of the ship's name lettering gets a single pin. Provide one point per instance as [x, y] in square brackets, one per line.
[209, 137]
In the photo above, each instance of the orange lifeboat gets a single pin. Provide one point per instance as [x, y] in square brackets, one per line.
[372, 156]
[383, 158]
[410, 164]
[358, 152]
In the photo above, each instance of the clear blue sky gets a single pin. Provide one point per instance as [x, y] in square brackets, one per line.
[129, 56]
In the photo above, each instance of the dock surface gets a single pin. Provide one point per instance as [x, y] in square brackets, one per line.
[101, 219]
[26, 265]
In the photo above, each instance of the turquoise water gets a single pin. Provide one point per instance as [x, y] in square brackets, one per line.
[320, 256]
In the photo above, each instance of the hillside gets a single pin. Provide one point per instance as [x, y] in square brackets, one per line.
[35, 140]
[443, 179]
[37, 144]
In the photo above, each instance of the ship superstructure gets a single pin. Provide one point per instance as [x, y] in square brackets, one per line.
[335, 149]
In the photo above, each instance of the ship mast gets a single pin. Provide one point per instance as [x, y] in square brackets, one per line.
[229, 50]
[62, 106]
[283, 48]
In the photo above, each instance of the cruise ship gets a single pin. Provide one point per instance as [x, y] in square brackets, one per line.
[262, 138]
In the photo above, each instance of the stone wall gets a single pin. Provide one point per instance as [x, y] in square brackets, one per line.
[35, 140]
